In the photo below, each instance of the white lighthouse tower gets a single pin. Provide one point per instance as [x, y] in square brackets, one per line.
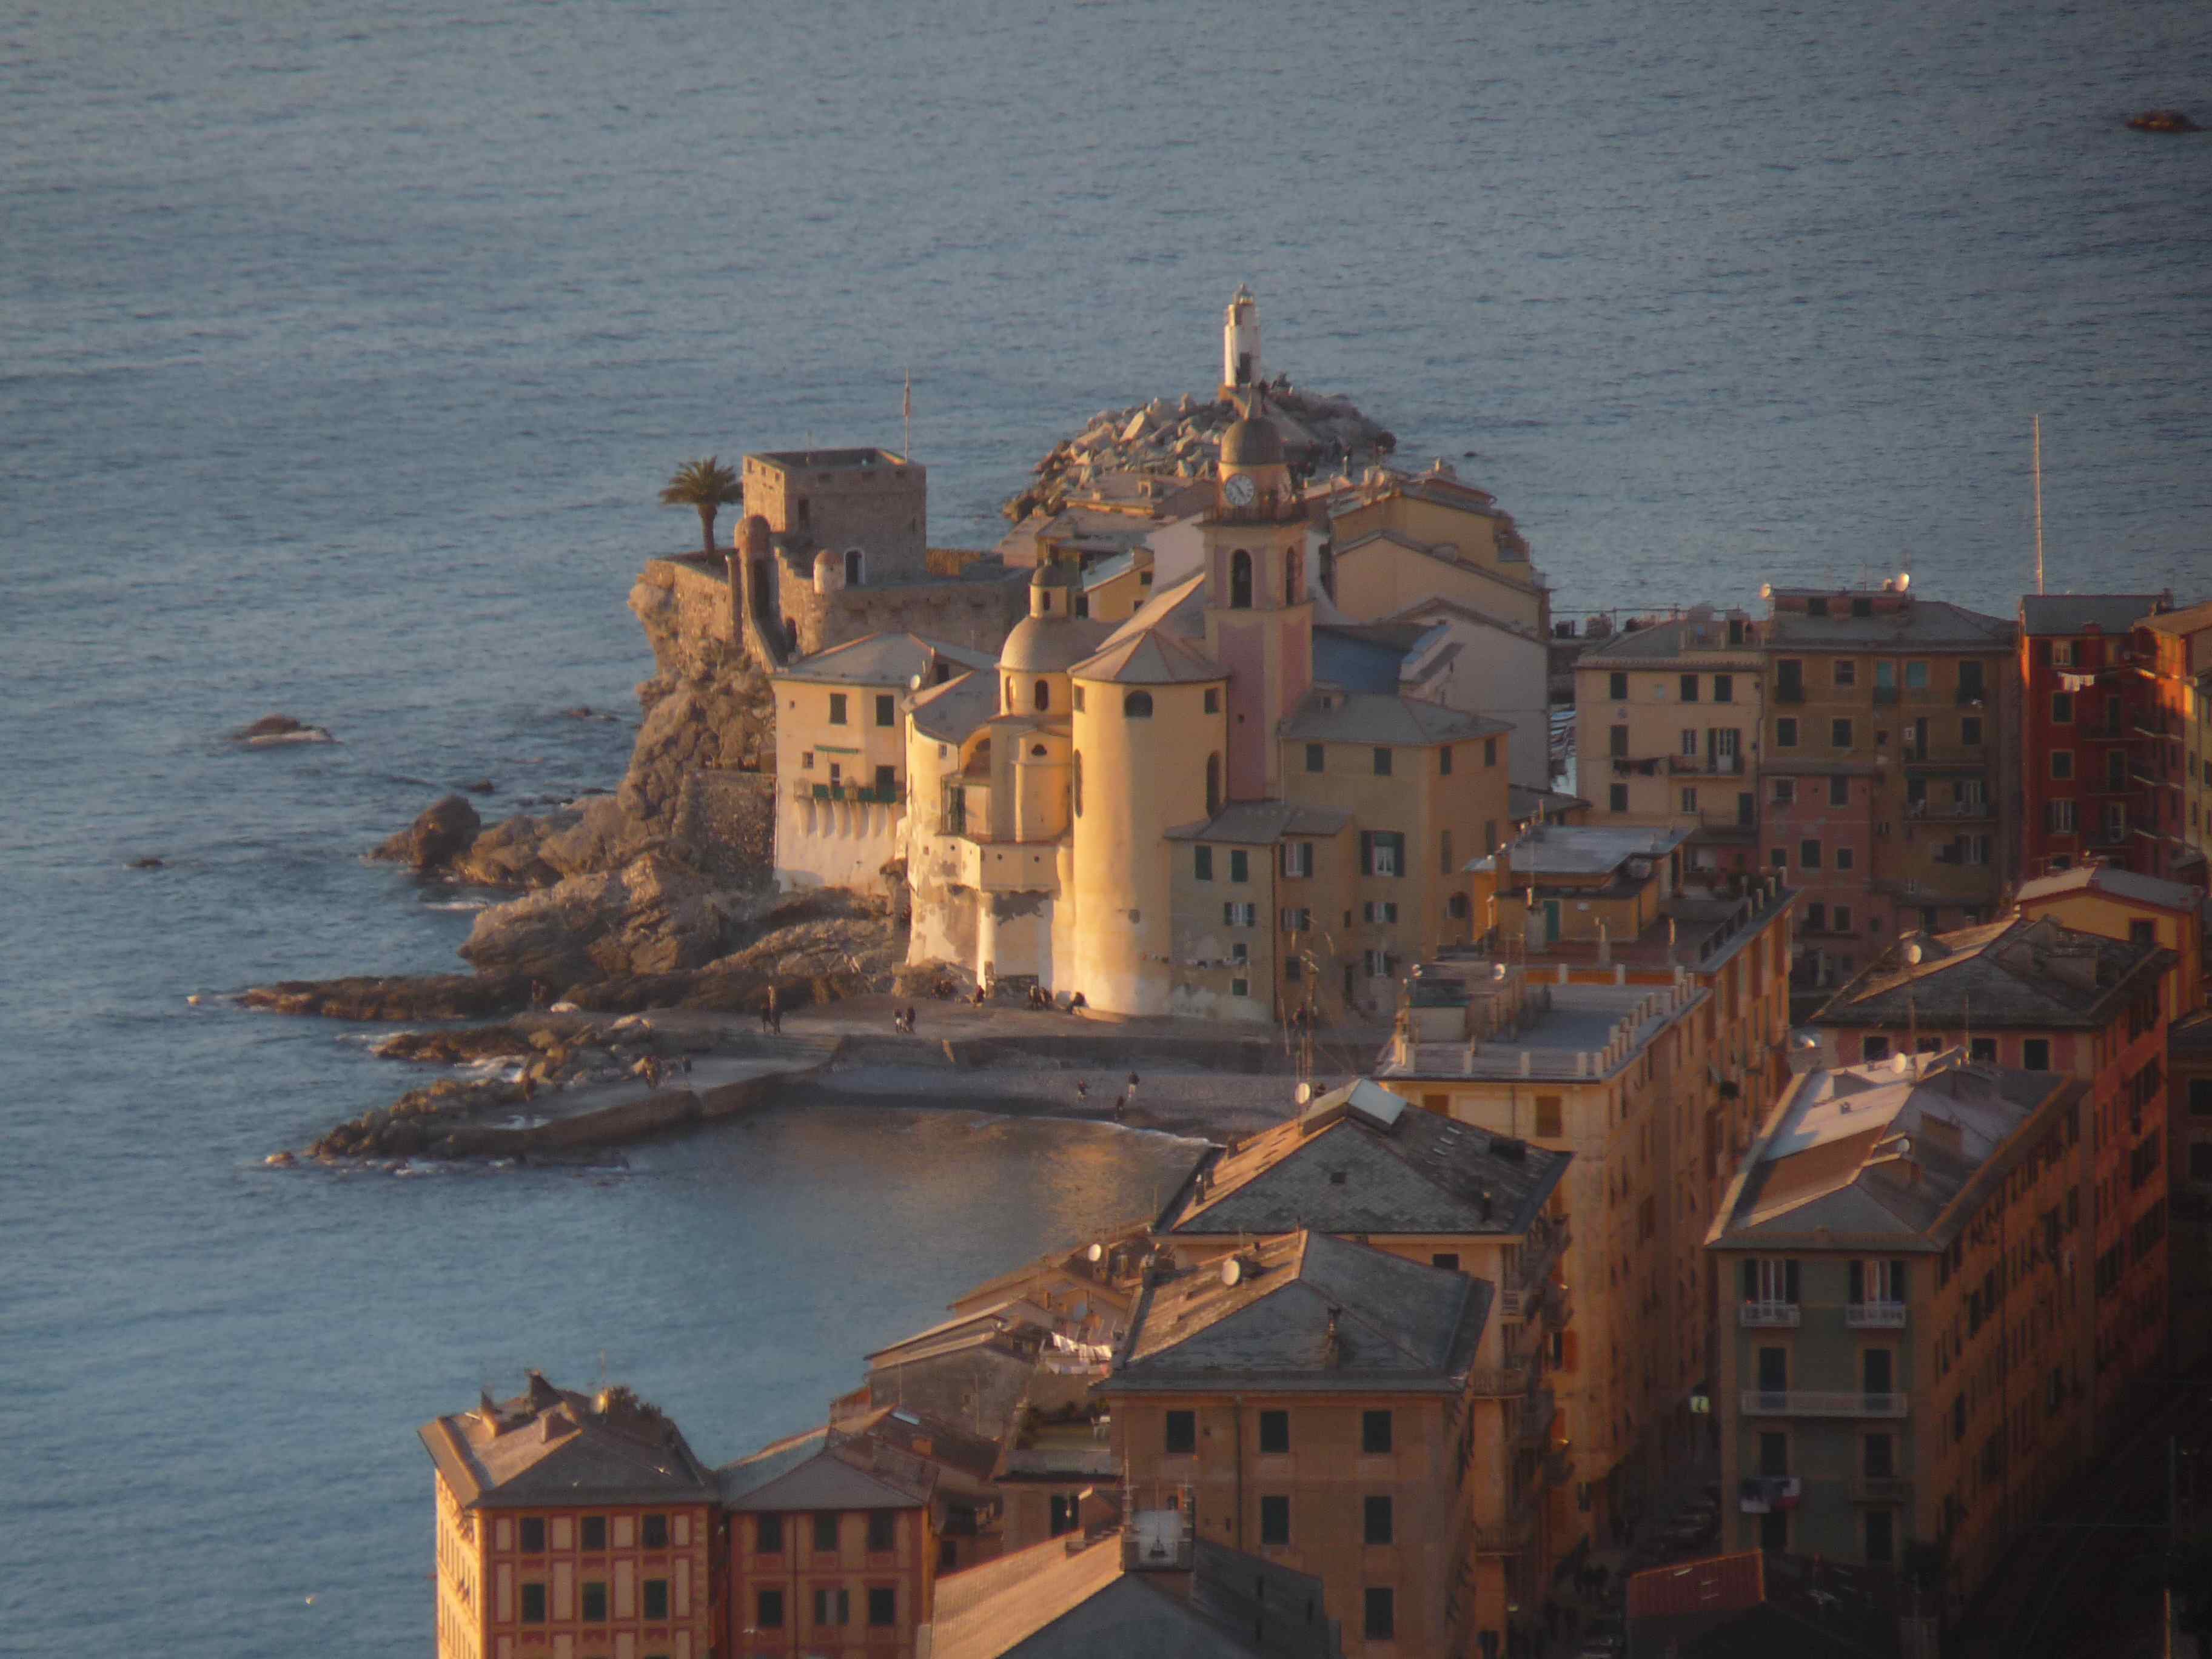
[1240, 344]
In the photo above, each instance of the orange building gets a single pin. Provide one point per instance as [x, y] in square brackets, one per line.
[832, 1549]
[2031, 994]
[2173, 736]
[1313, 1401]
[570, 1523]
[1361, 1162]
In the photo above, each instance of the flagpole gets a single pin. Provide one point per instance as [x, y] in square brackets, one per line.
[2038, 502]
[906, 409]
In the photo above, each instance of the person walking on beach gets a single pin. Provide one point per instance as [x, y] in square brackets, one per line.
[774, 1012]
[1132, 1085]
[1082, 1092]
[1120, 1101]
[767, 1013]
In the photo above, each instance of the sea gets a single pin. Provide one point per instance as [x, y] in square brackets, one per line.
[343, 349]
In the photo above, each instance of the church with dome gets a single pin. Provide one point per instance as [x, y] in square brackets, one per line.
[1234, 771]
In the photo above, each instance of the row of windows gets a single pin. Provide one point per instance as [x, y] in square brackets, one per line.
[1843, 731]
[831, 1607]
[593, 1597]
[883, 1532]
[591, 1533]
[1181, 1431]
[1810, 854]
[1917, 675]
[1685, 687]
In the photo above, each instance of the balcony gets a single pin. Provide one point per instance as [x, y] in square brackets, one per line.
[1767, 1316]
[1559, 1468]
[1504, 1382]
[1558, 1308]
[1821, 1402]
[1880, 1489]
[1958, 808]
[1874, 1316]
[1509, 1536]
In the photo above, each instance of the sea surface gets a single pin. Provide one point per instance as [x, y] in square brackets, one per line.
[343, 349]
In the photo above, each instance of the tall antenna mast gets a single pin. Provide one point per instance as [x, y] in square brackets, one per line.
[906, 411]
[2037, 429]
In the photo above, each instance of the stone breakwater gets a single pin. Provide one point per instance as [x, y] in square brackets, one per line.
[1181, 438]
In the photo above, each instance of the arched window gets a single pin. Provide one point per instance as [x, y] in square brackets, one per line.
[1292, 572]
[1213, 784]
[1138, 705]
[853, 563]
[1009, 702]
[1240, 580]
[1044, 695]
[791, 632]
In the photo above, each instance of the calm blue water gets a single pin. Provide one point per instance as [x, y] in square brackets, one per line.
[340, 357]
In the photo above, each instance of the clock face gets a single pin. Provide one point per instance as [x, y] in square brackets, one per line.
[1240, 490]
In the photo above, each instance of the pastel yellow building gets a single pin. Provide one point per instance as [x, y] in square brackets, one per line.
[840, 755]
[1181, 812]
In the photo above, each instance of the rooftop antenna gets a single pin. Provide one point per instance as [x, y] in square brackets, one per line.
[2037, 430]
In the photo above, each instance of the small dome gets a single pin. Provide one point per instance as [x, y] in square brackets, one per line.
[1252, 441]
[1045, 645]
[1052, 573]
[753, 534]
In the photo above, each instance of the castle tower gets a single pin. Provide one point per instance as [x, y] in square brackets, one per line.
[1259, 613]
[1240, 344]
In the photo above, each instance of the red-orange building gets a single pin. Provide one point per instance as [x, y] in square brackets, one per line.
[571, 1524]
[832, 1548]
[2029, 993]
[2173, 655]
[2082, 712]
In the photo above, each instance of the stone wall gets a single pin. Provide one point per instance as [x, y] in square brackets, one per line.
[976, 614]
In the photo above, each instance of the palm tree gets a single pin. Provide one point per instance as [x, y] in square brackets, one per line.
[706, 485]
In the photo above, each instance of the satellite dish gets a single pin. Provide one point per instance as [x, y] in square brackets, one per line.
[1901, 1063]
[1913, 953]
[1905, 582]
[1232, 1271]
[1640, 869]
[913, 682]
[1302, 1094]
[1904, 1145]
[1766, 590]
[1095, 1253]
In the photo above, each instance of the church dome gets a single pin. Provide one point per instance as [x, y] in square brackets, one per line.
[1052, 573]
[1252, 441]
[1049, 644]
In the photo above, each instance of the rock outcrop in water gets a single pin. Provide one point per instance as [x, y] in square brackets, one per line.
[1181, 438]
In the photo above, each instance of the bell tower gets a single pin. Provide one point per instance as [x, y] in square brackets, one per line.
[1240, 344]
[1259, 613]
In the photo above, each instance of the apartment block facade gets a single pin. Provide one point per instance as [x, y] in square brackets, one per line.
[1912, 1373]
[2172, 756]
[2083, 714]
[1889, 773]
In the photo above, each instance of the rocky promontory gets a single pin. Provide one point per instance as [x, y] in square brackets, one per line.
[1181, 438]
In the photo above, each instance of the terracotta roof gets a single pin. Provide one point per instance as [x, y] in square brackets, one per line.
[2187, 620]
[1921, 624]
[951, 711]
[1361, 1160]
[887, 658]
[551, 1448]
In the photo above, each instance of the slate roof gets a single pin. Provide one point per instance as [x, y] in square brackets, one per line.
[1049, 644]
[553, 1447]
[822, 1469]
[967, 1456]
[1921, 624]
[1366, 717]
[1522, 802]
[1697, 639]
[950, 712]
[1362, 1160]
[1358, 660]
[2120, 883]
[2186, 619]
[1307, 1313]
[1180, 608]
[2077, 613]
[1258, 823]
[2017, 973]
[1878, 1152]
[1428, 610]
[1584, 849]
[888, 658]
[1154, 657]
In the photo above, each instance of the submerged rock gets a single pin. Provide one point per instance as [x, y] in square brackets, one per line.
[441, 832]
[396, 997]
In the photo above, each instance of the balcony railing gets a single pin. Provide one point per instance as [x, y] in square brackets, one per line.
[1821, 1402]
[1759, 1315]
[1876, 1315]
[1504, 1382]
[1509, 1536]
[1880, 1489]
[1962, 808]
